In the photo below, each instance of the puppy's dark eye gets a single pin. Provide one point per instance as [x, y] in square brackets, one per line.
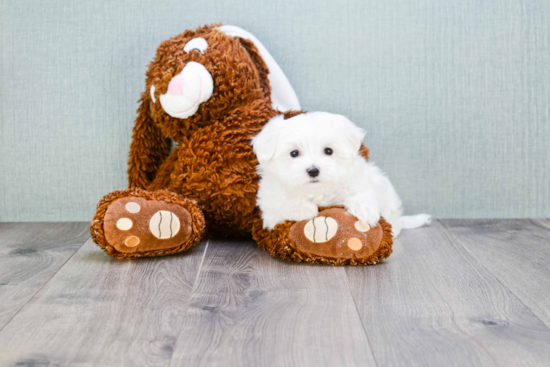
[328, 151]
[294, 153]
[196, 49]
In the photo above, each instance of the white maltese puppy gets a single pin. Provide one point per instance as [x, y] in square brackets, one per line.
[313, 160]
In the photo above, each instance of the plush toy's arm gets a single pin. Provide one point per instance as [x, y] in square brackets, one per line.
[149, 148]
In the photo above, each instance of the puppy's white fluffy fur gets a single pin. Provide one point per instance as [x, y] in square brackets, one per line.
[288, 192]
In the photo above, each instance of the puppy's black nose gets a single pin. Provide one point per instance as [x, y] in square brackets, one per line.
[313, 171]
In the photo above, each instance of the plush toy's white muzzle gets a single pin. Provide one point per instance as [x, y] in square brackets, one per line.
[186, 91]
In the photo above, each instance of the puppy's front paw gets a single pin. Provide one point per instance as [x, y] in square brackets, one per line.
[305, 210]
[365, 213]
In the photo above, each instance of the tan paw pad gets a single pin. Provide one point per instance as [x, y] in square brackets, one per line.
[355, 244]
[132, 241]
[124, 224]
[320, 229]
[164, 225]
[132, 207]
[362, 226]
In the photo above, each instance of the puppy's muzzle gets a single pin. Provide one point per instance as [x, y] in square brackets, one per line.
[313, 171]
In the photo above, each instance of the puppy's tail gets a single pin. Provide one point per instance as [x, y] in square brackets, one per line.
[415, 221]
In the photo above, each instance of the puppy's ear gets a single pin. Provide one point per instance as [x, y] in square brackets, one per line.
[265, 143]
[354, 134]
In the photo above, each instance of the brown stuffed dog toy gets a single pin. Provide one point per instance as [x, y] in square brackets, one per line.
[210, 91]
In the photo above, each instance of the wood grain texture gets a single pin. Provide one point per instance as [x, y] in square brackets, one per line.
[249, 309]
[517, 252]
[433, 304]
[450, 296]
[99, 311]
[30, 254]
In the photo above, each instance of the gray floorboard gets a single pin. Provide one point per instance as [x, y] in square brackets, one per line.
[249, 309]
[30, 254]
[98, 311]
[517, 252]
[466, 293]
[433, 304]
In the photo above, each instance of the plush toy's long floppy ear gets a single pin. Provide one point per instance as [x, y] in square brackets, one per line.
[149, 148]
[283, 96]
[258, 61]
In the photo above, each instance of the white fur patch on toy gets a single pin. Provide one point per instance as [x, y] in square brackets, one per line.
[199, 44]
[320, 229]
[133, 207]
[124, 224]
[187, 90]
[164, 225]
[153, 94]
[361, 226]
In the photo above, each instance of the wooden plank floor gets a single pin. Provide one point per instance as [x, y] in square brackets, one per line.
[456, 293]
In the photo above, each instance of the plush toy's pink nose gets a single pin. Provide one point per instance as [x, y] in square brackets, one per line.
[176, 85]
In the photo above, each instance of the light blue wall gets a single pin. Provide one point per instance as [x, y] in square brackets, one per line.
[454, 94]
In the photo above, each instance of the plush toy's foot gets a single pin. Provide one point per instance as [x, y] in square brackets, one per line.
[334, 237]
[138, 223]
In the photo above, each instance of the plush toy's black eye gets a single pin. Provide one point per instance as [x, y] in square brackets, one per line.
[328, 151]
[294, 153]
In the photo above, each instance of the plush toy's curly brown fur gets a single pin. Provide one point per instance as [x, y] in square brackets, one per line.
[213, 163]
